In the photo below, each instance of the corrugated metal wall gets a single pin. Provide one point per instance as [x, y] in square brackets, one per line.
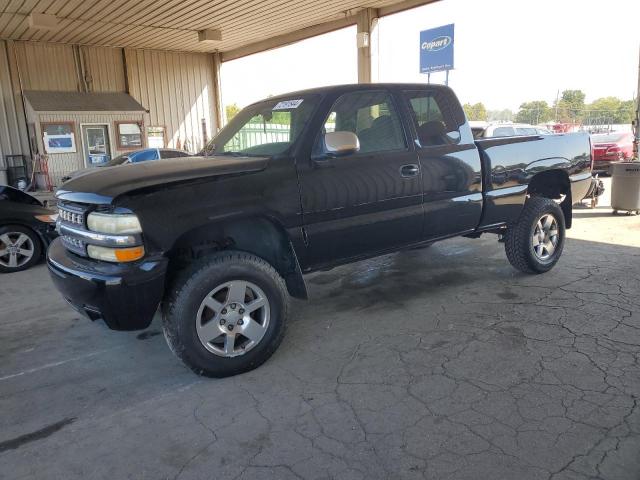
[177, 89]
[105, 66]
[13, 130]
[45, 66]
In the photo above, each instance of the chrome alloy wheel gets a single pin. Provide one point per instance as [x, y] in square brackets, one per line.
[233, 318]
[16, 249]
[545, 238]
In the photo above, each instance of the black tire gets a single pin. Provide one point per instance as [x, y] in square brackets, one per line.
[188, 291]
[12, 230]
[518, 239]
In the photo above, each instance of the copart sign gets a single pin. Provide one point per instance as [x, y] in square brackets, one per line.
[436, 49]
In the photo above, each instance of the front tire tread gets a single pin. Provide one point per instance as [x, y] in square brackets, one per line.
[177, 302]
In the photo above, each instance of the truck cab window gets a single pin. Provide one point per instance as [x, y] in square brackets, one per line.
[371, 116]
[433, 119]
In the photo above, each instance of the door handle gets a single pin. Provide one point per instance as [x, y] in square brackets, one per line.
[410, 170]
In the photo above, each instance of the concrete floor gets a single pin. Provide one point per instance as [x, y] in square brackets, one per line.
[442, 363]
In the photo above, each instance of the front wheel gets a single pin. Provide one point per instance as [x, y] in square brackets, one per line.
[226, 314]
[20, 248]
[535, 242]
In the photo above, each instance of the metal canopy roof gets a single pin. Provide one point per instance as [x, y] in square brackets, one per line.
[45, 101]
[246, 25]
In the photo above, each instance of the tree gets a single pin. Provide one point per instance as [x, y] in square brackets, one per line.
[231, 111]
[570, 107]
[626, 112]
[476, 111]
[534, 112]
[609, 110]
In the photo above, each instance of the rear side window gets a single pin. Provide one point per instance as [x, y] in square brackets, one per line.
[145, 155]
[434, 117]
[371, 116]
[503, 132]
[526, 131]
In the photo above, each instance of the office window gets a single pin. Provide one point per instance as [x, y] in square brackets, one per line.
[129, 135]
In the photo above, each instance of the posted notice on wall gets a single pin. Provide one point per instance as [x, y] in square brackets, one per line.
[65, 143]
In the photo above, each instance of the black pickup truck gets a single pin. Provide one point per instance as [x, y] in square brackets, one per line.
[293, 184]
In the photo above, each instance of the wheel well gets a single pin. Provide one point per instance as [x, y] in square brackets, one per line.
[259, 236]
[553, 184]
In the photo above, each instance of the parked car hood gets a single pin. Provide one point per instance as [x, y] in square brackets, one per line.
[103, 185]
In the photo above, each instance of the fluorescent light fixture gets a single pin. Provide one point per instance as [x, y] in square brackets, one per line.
[43, 21]
[209, 36]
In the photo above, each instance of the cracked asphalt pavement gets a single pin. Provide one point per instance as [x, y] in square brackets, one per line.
[442, 363]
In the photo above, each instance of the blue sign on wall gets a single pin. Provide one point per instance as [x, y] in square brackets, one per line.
[436, 49]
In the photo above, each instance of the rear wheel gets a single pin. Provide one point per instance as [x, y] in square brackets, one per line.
[20, 248]
[226, 314]
[535, 242]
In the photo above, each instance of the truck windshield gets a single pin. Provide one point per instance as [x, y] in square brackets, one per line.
[264, 129]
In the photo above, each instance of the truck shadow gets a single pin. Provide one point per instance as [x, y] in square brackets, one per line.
[391, 280]
[449, 271]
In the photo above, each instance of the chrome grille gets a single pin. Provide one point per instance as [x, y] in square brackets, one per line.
[72, 215]
[69, 216]
[74, 244]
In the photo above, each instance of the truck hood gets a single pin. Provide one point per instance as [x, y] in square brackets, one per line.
[102, 185]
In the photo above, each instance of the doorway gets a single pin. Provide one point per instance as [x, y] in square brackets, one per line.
[96, 143]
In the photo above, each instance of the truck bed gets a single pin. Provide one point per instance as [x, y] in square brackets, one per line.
[509, 164]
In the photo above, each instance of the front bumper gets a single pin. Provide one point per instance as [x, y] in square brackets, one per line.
[125, 296]
[580, 185]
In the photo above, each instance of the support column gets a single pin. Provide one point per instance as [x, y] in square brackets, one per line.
[636, 122]
[367, 45]
[217, 97]
[17, 106]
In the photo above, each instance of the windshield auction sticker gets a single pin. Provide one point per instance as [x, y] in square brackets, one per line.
[287, 104]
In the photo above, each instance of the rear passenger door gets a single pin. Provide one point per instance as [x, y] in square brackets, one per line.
[449, 160]
[364, 202]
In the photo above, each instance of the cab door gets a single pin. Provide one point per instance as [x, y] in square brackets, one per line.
[367, 201]
[449, 160]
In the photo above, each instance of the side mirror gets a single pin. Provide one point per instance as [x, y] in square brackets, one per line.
[341, 143]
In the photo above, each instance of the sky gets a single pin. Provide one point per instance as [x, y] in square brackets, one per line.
[506, 52]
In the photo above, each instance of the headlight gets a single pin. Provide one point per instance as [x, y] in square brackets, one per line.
[113, 223]
[115, 254]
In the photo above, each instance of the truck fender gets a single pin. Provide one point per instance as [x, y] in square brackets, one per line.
[551, 180]
[261, 235]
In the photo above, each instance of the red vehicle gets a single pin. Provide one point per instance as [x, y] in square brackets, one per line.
[611, 147]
